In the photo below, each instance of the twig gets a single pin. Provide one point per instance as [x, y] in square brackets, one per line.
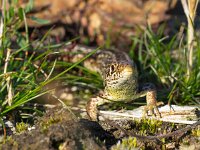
[4, 128]
[152, 138]
[180, 131]
[64, 105]
[128, 133]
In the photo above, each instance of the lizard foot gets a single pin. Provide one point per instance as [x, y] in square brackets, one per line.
[91, 109]
[152, 105]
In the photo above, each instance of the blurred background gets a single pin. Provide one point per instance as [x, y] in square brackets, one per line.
[97, 22]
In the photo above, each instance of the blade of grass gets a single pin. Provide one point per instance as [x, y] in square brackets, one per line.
[32, 94]
[74, 65]
[22, 101]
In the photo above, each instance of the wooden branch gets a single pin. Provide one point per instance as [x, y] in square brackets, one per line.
[175, 114]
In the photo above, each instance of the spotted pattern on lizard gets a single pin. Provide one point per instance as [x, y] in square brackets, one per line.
[120, 77]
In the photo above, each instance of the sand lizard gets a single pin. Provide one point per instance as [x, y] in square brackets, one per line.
[120, 77]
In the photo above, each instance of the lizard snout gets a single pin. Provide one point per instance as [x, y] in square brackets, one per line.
[128, 69]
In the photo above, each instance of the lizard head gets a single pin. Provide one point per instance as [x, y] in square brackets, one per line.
[121, 80]
[120, 73]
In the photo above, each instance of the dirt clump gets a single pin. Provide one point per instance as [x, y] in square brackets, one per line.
[57, 129]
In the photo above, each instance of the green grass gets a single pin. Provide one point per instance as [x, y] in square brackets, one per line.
[22, 78]
[163, 60]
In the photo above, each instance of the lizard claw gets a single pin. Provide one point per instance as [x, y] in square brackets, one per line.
[151, 111]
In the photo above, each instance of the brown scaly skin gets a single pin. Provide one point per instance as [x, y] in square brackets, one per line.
[120, 79]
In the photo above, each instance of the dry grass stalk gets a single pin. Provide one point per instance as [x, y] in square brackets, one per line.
[1, 22]
[190, 7]
[8, 79]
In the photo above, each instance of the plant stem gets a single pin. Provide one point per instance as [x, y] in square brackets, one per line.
[190, 7]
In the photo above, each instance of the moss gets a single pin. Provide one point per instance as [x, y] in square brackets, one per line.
[47, 123]
[10, 140]
[196, 132]
[126, 143]
[21, 127]
[150, 126]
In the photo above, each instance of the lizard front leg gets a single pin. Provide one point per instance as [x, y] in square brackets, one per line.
[149, 91]
[152, 104]
[91, 107]
[151, 96]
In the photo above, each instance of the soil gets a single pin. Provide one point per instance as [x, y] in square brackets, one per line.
[57, 129]
[60, 129]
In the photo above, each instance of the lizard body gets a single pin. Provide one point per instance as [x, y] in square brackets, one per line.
[120, 77]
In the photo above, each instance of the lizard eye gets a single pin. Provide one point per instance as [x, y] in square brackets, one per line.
[112, 68]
